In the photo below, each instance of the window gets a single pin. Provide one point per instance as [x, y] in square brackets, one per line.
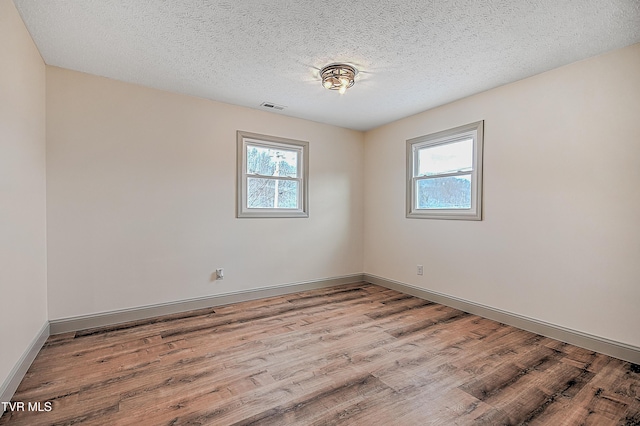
[444, 174]
[272, 176]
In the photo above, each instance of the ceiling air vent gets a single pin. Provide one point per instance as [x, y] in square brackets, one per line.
[271, 105]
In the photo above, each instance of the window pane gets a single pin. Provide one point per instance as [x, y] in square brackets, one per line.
[271, 161]
[451, 157]
[272, 193]
[444, 193]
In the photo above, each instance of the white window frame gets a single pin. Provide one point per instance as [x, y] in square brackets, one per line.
[254, 139]
[473, 130]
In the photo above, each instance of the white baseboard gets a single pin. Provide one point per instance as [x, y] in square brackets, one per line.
[584, 340]
[17, 373]
[83, 322]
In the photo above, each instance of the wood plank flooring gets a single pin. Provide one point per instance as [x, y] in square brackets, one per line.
[355, 354]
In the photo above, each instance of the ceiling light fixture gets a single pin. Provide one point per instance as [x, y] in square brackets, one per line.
[338, 77]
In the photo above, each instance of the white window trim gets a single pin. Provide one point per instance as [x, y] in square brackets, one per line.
[473, 130]
[247, 138]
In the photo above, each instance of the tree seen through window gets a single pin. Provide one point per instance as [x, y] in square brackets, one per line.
[264, 192]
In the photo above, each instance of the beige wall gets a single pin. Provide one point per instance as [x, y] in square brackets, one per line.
[23, 262]
[141, 199]
[560, 239]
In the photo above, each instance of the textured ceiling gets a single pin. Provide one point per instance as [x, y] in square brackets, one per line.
[412, 55]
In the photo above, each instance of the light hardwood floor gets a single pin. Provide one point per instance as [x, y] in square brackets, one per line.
[355, 354]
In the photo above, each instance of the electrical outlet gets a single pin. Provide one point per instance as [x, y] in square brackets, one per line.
[420, 270]
[219, 274]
